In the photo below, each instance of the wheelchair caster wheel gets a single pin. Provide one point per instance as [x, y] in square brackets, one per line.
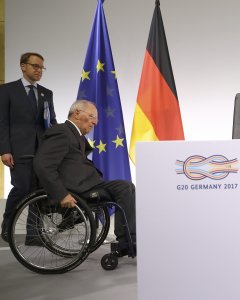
[109, 262]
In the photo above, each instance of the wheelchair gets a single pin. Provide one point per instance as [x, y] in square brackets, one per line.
[66, 235]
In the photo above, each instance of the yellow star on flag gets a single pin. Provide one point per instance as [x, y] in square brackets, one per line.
[100, 66]
[101, 147]
[114, 73]
[91, 142]
[85, 75]
[118, 141]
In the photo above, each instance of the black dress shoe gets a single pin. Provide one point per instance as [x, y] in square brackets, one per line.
[66, 224]
[4, 233]
[125, 251]
[70, 219]
[33, 242]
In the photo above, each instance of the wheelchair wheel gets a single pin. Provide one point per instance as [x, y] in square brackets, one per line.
[109, 262]
[66, 221]
[64, 236]
[102, 219]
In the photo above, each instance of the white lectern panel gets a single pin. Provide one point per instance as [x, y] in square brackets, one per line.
[188, 220]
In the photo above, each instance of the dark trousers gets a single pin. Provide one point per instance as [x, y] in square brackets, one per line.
[22, 179]
[123, 193]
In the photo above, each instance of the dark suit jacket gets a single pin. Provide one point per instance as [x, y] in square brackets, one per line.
[19, 127]
[61, 162]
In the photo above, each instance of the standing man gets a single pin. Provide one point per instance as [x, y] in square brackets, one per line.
[61, 164]
[26, 109]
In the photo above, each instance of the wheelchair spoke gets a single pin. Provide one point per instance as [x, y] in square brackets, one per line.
[51, 248]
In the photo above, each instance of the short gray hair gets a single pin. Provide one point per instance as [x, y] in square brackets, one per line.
[79, 104]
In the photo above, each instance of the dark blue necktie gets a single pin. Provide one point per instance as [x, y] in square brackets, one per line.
[32, 97]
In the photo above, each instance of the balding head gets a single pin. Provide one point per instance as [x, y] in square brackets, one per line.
[83, 113]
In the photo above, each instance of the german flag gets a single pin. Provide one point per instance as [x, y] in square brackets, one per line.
[157, 114]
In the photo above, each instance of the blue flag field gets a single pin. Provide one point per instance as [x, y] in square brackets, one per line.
[99, 84]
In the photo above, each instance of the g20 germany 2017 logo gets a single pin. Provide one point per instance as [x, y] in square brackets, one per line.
[215, 167]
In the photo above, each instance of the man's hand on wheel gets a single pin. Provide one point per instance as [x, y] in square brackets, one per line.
[68, 201]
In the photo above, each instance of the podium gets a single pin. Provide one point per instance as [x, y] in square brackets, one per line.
[188, 220]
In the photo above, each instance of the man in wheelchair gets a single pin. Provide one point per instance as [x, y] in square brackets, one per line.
[61, 165]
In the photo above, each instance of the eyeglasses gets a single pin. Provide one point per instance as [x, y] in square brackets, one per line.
[91, 116]
[36, 67]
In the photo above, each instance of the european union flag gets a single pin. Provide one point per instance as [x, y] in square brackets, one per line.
[99, 84]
